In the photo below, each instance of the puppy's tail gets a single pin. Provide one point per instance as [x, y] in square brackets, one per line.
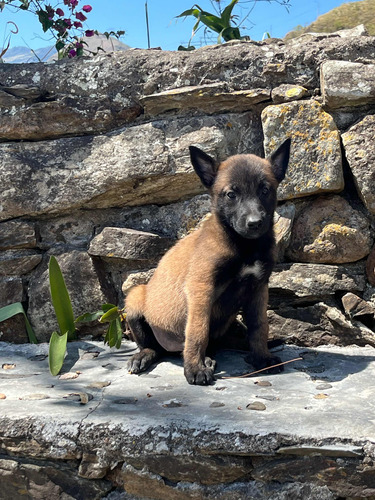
[135, 301]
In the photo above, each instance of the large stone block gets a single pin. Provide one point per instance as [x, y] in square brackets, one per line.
[345, 83]
[329, 231]
[148, 163]
[360, 152]
[17, 234]
[128, 244]
[315, 164]
[18, 262]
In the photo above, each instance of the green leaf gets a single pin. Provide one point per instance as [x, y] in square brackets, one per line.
[59, 45]
[57, 349]
[107, 307]
[88, 317]
[114, 334]
[60, 299]
[17, 308]
[190, 47]
[110, 315]
[44, 20]
[227, 13]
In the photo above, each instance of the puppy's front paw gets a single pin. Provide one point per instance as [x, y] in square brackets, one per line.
[141, 360]
[202, 374]
[260, 362]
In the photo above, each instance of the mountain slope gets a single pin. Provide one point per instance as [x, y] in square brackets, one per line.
[347, 15]
[26, 55]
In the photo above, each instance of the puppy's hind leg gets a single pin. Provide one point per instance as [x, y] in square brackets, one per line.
[150, 349]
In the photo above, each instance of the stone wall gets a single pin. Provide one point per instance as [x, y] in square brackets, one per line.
[95, 169]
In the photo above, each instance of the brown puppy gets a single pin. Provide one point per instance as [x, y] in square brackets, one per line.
[203, 281]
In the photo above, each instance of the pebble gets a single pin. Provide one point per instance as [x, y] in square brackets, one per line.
[216, 404]
[38, 357]
[256, 406]
[34, 397]
[68, 376]
[98, 385]
[220, 388]
[323, 387]
[174, 403]
[90, 355]
[321, 396]
[263, 383]
[126, 401]
[82, 397]
[8, 366]
[2, 396]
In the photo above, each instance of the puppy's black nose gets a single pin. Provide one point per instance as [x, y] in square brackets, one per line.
[253, 222]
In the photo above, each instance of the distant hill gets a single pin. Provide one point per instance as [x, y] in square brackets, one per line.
[25, 55]
[347, 15]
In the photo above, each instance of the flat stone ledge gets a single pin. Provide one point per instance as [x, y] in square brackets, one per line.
[106, 420]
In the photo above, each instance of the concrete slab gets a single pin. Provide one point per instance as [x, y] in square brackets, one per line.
[321, 405]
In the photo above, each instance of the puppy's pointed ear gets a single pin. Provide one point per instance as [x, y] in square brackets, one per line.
[204, 166]
[279, 160]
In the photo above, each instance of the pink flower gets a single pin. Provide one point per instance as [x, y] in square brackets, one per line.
[72, 53]
[87, 8]
[77, 24]
[90, 33]
[59, 12]
[80, 16]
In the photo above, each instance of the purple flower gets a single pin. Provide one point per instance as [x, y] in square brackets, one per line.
[87, 8]
[90, 33]
[80, 16]
[66, 2]
[74, 3]
[77, 24]
[59, 12]
[68, 23]
[72, 53]
[79, 45]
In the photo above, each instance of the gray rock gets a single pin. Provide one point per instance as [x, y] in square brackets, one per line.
[136, 278]
[18, 262]
[283, 222]
[128, 244]
[287, 93]
[292, 284]
[315, 162]
[315, 325]
[370, 267]
[11, 290]
[345, 83]
[86, 291]
[108, 171]
[17, 234]
[213, 98]
[359, 149]
[328, 230]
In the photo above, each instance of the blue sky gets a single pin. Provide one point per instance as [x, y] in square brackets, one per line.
[165, 31]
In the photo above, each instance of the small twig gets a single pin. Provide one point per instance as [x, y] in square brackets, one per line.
[263, 369]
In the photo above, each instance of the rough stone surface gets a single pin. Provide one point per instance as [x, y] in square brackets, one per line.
[303, 283]
[328, 230]
[128, 244]
[370, 267]
[18, 262]
[214, 98]
[346, 83]
[87, 291]
[283, 223]
[11, 290]
[359, 149]
[287, 93]
[142, 435]
[315, 163]
[136, 278]
[17, 234]
[108, 171]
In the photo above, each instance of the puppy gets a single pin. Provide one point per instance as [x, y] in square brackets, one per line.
[203, 281]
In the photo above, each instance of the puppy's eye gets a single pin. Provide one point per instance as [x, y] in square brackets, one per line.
[231, 195]
[265, 190]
